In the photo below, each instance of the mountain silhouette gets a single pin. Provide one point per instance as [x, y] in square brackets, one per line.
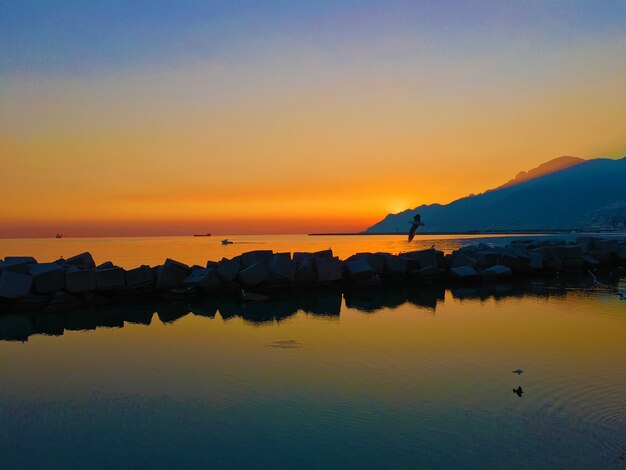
[562, 194]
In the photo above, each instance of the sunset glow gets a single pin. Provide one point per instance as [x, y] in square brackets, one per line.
[297, 118]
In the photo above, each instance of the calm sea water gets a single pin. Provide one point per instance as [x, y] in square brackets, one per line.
[402, 378]
[131, 252]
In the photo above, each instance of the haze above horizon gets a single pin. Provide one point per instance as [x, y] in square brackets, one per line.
[159, 118]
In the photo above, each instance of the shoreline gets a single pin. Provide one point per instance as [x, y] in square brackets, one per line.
[76, 282]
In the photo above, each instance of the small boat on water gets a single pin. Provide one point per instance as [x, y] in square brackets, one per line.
[202, 234]
[60, 235]
[226, 242]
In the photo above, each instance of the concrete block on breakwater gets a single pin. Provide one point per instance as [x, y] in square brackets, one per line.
[26, 284]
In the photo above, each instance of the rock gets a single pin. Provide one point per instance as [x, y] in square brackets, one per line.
[606, 246]
[425, 258]
[535, 259]
[206, 278]
[48, 277]
[428, 273]
[17, 264]
[172, 274]
[573, 264]
[306, 272]
[15, 285]
[587, 242]
[282, 266]
[358, 269]
[105, 265]
[110, 278]
[82, 261]
[395, 265]
[324, 254]
[62, 301]
[228, 269]
[497, 271]
[458, 259]
[486, 258]
[328, 269]
[253, 257]
[464, 273]
[590, 261]
[375, 260]
[605, 259]
[300, 256]
[139, 277]
[253, 275]
[80, 280]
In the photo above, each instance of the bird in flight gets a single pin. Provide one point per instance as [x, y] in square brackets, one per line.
[417, 222]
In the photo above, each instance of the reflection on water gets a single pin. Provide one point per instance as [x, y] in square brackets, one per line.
[402, 377]
[19, 326]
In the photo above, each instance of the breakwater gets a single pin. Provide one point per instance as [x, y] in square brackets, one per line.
[76, 282]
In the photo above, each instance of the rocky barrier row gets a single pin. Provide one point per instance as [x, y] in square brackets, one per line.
[26, 285]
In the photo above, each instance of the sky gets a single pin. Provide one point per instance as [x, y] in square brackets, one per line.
[178, 117]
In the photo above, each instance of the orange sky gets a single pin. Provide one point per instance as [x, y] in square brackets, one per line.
[297, 139]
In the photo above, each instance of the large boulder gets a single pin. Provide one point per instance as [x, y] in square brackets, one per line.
[172, 274]
[110, 278]
[328, 269]
[497, 271]
[139, 277]
[48, 277]
[282, 266]
[80, 280]
[464, 273]
[15, 285]
[228, 269]
[206, 279]
[17, 264]
[607, 246]
[458, 258]
[253, 257]
[535, 259]
[425, 258]
[306, 271]
[253, 275]
[486, 258]
[358, 269]
[82, 261]
[395, 266]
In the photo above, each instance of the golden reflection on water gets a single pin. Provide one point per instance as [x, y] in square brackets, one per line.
[417, 365]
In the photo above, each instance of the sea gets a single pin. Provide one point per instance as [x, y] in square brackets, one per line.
[522, 375]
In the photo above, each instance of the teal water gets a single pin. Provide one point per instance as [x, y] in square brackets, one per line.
[403, 378]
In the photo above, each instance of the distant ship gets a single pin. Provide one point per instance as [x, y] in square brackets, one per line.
[202, 234]
[60, 235]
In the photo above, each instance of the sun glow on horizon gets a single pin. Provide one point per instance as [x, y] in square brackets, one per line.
[297, 120]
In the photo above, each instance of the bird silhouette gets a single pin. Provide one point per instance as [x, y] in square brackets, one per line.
[518, 391]
[417, 222]
[518, 371]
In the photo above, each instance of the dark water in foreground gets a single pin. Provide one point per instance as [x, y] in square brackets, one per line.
[404, 378]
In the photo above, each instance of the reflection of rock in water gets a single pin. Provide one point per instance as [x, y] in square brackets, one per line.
[169, 312]
[286, 344]
[140, 314]
[366, 300]
[49, 324]
[16, 327]
[325, 303]
[426, 296]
